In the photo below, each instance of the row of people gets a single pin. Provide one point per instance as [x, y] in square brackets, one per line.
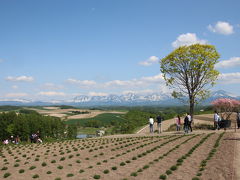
[218, 120]
[12, 140]
[34, 138]
[187, 123]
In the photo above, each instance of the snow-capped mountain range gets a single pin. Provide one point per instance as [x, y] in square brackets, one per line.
[124, 99]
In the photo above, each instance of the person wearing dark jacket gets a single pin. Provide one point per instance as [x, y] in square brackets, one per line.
[186, 124]
[159, 123]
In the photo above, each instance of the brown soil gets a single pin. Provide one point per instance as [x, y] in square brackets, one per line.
[117, 149]
[65, 113]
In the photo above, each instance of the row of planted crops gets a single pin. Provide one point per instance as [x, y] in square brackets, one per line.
[145, 157]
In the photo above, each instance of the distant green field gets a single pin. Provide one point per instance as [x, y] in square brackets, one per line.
[10, 108]
[105, 119]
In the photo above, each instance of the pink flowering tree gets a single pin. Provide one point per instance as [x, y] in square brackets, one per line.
[226, 106]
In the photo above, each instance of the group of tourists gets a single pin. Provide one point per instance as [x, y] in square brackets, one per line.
[34, 138]
[12, 140]
[218, 123]
[187, 123]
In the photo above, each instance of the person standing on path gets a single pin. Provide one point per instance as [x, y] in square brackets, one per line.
[178, 123]
[151, 122]
[189, 121]
[238, 119]
[186, 124]
[216, 120]
[159, 123]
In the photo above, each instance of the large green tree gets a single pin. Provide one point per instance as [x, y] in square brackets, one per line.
[189, 71]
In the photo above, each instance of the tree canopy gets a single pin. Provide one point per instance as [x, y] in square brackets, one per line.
[24, 124]
[189, 71]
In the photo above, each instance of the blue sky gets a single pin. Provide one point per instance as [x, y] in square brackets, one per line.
[58, 49]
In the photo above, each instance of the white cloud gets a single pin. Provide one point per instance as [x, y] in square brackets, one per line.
[97, 94]
[81, 82]
[157, 78]
[20, 79]
[15, 87]
[151, 60]
[188, 39]
[221, 27]
[141, 82]
[232, 62]
[142, 91]
[115, 83]
[52, 86]
[229, 78]
[14, 95]
[52, 93]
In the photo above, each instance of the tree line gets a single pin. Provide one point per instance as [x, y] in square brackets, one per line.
[25, 123]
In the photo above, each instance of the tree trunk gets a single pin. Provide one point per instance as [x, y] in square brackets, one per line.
[191, 107]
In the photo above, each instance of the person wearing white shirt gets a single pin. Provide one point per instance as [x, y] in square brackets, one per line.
[216, 118]
[189, 121]
[151, 122]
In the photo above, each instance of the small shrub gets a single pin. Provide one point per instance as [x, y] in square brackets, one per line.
[44, 164]
[134, 174]
[4, 168]
[81, 171]
[35, 176]
[106, 171]
[60, 167]
[78, 161]
[32, 167]
[122, 164]
[96, 176]
[6, 175]
[21, 171]
[173, 168]
[168, 172]
[114, 168]
[49, 172]
[146, 166]
[195, 178]
[134, 158]
[199, 174]
[180, 160]
[163, 176]
[16, 165]
[70, 175]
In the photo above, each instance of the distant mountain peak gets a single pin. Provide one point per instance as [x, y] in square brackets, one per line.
[114, 99]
